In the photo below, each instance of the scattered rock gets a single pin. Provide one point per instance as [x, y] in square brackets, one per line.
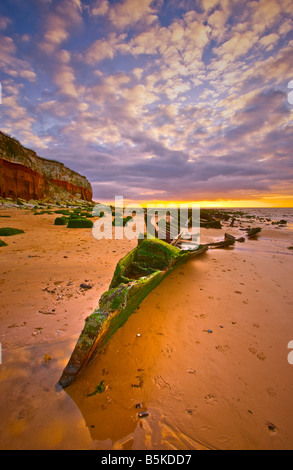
[47, 313]
[139, 384]
[253, 232]
[85, 286]
[47, 358]
[229, 237]
[272, 427]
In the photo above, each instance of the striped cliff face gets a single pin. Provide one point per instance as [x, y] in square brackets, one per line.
[25, 175]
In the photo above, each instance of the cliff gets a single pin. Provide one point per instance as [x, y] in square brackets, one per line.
[23, 174]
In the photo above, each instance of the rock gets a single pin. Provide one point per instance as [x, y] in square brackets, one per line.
[47, 313]
[224, 244]
[253, 232]
[229, 237]
[86, 286]
[47, 358]
[143, 414]
[272, 428]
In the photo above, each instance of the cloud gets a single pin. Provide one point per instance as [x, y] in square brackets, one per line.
[237, 46]
[64, 78]
[157, 99]
[11, 64]
[4, 22]
[100, 8]
[59, 24]
[265, 13]
[269, 41]
[130, 12]
[209, 4]
[101, 49]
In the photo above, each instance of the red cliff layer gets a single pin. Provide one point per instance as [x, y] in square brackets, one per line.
[18, 181]
[85, 194]
[23, 174]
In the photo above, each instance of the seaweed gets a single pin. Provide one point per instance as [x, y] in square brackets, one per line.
[2, 243]
[87, 215]
[99, 389]
[63, 212]
[61, 221]
[43, 212]
[80, 223]
[9, 232]
[121, 222]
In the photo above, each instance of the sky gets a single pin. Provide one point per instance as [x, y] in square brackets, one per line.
[155, 100]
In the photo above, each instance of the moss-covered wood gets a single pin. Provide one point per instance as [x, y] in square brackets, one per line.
[155, 259]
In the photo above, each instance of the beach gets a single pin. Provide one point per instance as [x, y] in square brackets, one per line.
[205, 354]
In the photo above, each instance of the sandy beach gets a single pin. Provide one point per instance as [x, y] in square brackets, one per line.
[205, 354]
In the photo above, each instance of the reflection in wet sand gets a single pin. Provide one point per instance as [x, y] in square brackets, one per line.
[131, 368]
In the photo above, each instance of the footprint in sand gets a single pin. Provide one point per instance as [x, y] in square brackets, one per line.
[211, 399]
[223, 349]
[260, 356]
[271, 392]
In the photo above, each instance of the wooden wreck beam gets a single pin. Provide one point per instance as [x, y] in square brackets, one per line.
[154, 260]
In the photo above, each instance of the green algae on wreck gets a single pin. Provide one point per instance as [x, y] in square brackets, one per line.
[136, 275]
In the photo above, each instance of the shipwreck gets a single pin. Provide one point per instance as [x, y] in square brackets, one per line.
[135, 276]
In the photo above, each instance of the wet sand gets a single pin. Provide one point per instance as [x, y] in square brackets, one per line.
[230, 388]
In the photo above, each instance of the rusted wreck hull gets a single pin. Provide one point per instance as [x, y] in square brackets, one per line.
[135, 277]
